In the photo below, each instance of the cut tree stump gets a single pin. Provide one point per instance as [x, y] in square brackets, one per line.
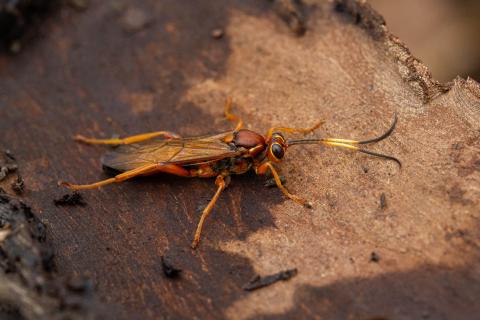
[127, 67]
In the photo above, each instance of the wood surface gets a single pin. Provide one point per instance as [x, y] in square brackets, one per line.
[128, 67]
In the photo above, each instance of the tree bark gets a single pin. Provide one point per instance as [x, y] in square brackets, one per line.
[379, 242]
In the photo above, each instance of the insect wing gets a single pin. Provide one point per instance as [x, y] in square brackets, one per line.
[172, 151]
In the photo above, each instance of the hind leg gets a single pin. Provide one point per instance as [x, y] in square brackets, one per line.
[128, 140]
[148, 169]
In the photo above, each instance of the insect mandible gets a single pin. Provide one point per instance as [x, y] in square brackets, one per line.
[218, 155]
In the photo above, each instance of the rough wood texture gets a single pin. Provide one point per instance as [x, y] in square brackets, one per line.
[29, 285]
[125, 67]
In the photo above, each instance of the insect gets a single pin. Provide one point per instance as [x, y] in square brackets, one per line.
[218, 155]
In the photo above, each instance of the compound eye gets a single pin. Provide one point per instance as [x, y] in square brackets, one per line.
[277, 150]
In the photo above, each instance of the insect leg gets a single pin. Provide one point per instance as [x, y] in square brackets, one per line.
[293, 130]
[221, 182]
[231, 116]
[262, 169]
[128, 140]
[147, 169]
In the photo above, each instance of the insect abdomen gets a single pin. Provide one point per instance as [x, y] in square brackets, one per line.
[202, 171]
[234, 165]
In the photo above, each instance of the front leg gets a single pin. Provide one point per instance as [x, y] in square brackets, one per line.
[264, 167]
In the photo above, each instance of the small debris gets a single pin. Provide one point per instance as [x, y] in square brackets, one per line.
[169, 270]
[270, 183]
[383, 201]
[292, 13]
[308, 205]
[3, 173]
[80, 285]
[5, 232]
[11, 167]
[70, 199]
[135, 20]
[217, 33]
[10, 155]
[7, 169]
[7, 165]
[18, 185]
[374, 257]
[259, 282]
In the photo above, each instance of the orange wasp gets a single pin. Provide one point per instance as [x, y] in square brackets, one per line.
[218, 155]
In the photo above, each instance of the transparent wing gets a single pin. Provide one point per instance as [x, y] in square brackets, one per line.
[163, 151]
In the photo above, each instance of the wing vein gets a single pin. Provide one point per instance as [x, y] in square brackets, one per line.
[185, 151]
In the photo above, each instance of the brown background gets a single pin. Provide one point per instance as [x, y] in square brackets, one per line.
[442, 33]
[129, 67]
